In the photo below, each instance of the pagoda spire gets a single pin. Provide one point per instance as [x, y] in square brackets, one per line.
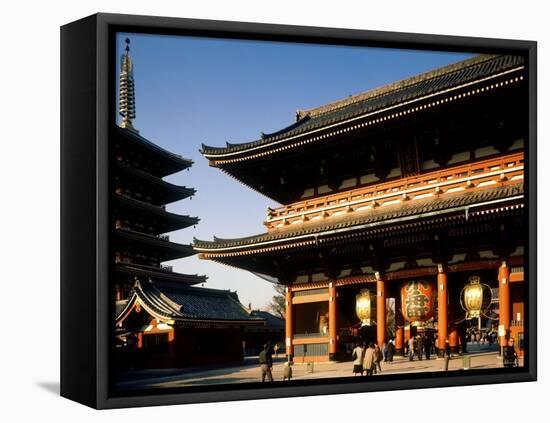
[127, 103]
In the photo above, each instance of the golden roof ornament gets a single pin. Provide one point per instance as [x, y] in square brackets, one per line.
[127, 98]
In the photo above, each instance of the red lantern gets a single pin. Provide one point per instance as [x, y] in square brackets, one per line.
[418, 301]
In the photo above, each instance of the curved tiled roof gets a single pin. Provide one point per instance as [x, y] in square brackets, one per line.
[180, 191]
[151, 146]
[476, 68]
[404, 210]
[160, 273]
[175, 302]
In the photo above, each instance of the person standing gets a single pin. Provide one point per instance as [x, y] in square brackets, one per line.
[411, 348]
[357, 356]
[266, 363]
[391, 351]
[446, 354]
[377, 359]
[510, 357]
[287, 371]
[419, 347]
[276, 350]
[368, 360]
[427, 347]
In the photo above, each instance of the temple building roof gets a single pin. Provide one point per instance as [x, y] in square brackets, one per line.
[165, 249]
[272, 322]
[439, 81]
[394, 215]
[169, 162]
[159, 274]
[175, 303]
[166, 221]
[163, 192]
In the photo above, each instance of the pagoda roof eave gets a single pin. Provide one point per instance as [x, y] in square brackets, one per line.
[309, 233]
[160, 274]
[442, 80]
[133, 136]
[179, 192]
[171, 250]
[183, 221]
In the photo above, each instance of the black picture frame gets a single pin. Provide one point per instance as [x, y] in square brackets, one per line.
[87, 75]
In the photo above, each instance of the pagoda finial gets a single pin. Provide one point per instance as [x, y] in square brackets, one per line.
[127, 100]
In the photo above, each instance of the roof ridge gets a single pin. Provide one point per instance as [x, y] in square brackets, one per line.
[403, 83]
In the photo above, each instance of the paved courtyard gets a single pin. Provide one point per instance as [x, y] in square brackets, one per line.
[250, 372]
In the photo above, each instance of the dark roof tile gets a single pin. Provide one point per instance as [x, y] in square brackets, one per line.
[392, 94]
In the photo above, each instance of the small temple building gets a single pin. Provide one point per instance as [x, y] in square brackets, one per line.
[162, 318]
[411, 194]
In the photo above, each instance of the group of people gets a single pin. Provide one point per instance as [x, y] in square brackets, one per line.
[420, 346]
[265, 359]
[367, 357]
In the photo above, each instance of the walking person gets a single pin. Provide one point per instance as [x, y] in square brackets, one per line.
[391, 351]
[287, 371]
[266, 363]
[427, 347]
[446, 354]
[510, 357]
[419, 347]
[368, 360]
[411, 348]
[276, 350]
[377, 359]
[357, 355]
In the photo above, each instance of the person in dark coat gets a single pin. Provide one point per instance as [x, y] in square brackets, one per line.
[427, 347]
[510, 357]
[419, 347]
[391, 351]
[446, 354]
[287, 371]
[266, 363]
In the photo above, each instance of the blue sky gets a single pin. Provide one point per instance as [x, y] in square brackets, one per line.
[192, 90]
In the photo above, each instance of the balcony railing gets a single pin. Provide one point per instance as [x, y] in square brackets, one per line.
[492, 172]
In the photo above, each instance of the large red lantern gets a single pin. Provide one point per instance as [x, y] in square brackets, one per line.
[418, 301]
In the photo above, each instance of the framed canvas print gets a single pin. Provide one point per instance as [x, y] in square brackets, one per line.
[259, 211]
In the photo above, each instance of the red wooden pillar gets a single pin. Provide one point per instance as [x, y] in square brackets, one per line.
[172, 347]
[504, 306]
[380, 310]
[332, 321]
[453, 338]
[289, 324]
[399, 327]
[442, 299]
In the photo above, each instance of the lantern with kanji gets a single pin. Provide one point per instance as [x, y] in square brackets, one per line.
[418, 301]
[365, 307]
[475, 298]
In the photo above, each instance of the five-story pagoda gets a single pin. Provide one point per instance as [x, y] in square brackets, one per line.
[139, 199]
[161, 318]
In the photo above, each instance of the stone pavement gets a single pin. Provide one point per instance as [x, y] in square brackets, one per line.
[251, 372]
